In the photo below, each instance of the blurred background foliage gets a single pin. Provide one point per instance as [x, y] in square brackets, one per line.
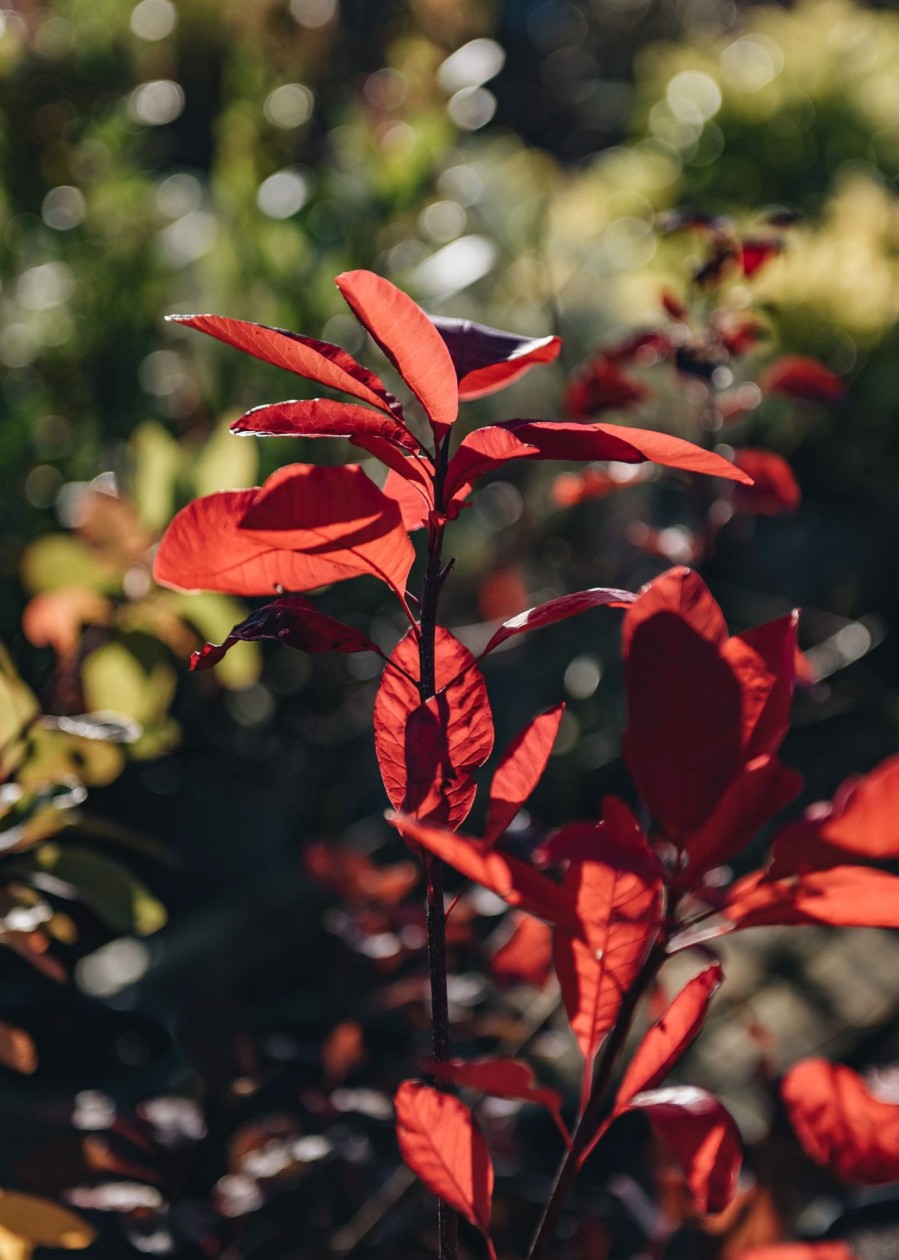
[506, 162]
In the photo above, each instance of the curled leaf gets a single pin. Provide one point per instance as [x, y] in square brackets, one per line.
[294, 622]
[487, 359]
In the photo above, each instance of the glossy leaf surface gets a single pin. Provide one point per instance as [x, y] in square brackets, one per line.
[441, 1143]
[841, 1124]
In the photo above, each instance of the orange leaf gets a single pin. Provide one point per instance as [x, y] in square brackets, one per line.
[520, 769]
[842, 896]
[801, 1251]
[428, 751]
[442, 1144]
[305, 527]
[703, 1138]
[841, 1124]
[409, 339]
[501, 1078]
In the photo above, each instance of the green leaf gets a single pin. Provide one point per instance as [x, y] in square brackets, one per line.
[123, 903]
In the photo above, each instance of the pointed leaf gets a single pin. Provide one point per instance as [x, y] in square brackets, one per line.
[619, 906]
[526, 957]
[703, 1138]
[842, 896]
[487, 359]
[520, 769]
[667, 1040]
[841, 1124]
[862, 823]
[317, 360]
[322, 417]
[294, 622]
[559, 610]
[479, 454]
[428, 751]
[512, 880]
[409, 339]
[442, 1144]
[306, 527]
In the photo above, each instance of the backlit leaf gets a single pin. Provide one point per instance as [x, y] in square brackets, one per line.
[306, 527]
[526, 957]
[409, 339]
[428, 751]
[442, 1144]
[842, 896]
[701, 1135]
[841, 1124]
[322, 417]
[501, 1078]
[559, 610]
[520, 769]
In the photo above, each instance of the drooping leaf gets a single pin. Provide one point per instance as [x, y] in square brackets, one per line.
[841, 1124]
[428, 751]
[306, 527]
[322, 417]
[559, 610]
[487, 359]
[520, 770]
[666, 1041]
[799, 376]
[512, 880]
[774, 489]
[842, 896]
[501, 1078]
[409, 339]
[618, 903]
[316, 360]
[862, 823]
[442, 1144]
[526, 957]
[294, 622]
[701, 1135]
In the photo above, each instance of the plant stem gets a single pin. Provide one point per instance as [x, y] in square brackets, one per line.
[597, 1105]
[447, 1219]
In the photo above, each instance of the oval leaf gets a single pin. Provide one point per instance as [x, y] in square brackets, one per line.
[321, 417]
[519, 771]
[442, 1144]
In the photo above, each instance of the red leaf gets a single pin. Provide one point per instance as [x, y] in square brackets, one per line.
[801, 1251]
[618, 834]
[519, 771]
[526, 957]
[316, 360]
[294, 622]
[775, 643]
[601, 385]
[775, 490]
[755, 253]
[861, 823]
[427, 752]
[843, 896]
[442, 1144]
[798, 376]
[322, 417]
[684, 754]
[487, 359]
[512, 880]
[353, 876]
[306, 527]
[501, 1078]
[618, 902]
[703, 1138]
[841, 1124]
[667, 1040]
[484, 451]
[558, 610]
[415, 501]
[761, 790]
[409, 339]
